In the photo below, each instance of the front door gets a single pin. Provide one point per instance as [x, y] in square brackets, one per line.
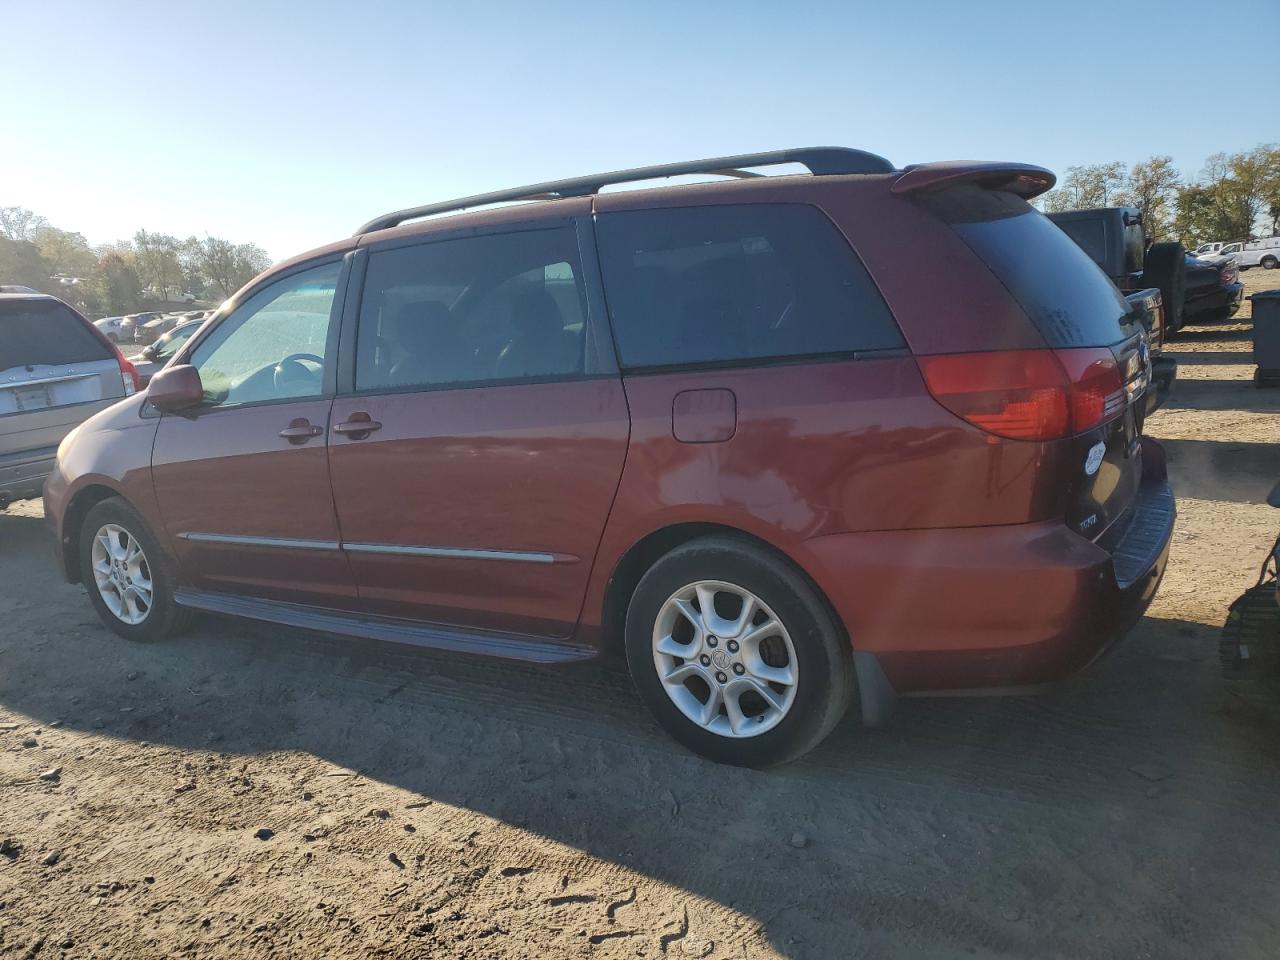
[243, 480]
[476, 457]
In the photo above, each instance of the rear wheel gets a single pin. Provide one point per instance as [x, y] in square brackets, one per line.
[128, 577]
[1270, 263]
[736, 653]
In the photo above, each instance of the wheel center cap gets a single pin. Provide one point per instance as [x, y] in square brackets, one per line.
[721, 659]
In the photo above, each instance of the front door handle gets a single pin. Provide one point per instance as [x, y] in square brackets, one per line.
[358, 427]
[300, 431]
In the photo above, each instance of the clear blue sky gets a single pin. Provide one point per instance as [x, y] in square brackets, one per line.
[289, 124]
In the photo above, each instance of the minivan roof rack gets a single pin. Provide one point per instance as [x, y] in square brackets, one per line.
[821, 161]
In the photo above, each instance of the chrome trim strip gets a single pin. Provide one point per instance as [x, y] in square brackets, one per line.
[283, 542]
[452, 553]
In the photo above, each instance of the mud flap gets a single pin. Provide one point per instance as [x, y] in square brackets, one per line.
[875, 693]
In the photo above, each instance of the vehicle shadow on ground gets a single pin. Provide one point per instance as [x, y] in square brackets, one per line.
[1215, 357]
[1212, 394]
[1223, 470]
[912, 833]
[1210, 334]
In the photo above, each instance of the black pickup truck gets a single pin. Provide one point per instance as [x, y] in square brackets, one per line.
[1153, 277]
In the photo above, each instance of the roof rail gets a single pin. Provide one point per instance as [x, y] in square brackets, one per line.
[821, 161]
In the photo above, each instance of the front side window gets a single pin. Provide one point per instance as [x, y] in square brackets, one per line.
[733, 284]
[275, 346]
[488, 309]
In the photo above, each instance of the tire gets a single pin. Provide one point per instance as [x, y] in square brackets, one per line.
[810, 646]
[1165, 267]
[121, 524]
[1270, 263]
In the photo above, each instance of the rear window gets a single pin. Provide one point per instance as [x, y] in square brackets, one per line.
[35, 332]
[737, 283]
[1066, 295]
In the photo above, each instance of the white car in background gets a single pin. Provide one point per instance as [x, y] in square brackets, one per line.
[1209, 249]
[1263, 253]
[111, 327]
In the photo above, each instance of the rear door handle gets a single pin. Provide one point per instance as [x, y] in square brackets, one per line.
[358, 427]
[300, 431]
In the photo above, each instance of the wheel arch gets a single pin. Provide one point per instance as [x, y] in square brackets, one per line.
[646, 551]
[82, 501]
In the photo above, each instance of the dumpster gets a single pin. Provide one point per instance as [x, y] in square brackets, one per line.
[1266, 337]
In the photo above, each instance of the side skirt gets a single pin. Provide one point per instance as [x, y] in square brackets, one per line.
[509, 646]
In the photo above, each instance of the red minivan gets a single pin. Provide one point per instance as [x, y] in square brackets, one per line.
[790, 440]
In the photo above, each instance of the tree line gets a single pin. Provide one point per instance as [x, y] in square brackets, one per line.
[117, 278]
[1235, 197]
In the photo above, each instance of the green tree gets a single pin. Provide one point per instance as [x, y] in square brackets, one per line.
[117, 287]
[67, 253]
[156, 258]
[19, 223]
[21, 263]
[1152, 187]
[226, 266]
[1092, 185]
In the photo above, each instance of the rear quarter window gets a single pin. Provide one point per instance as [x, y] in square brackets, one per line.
[1068, 297]
[737, 284]
[39, 332]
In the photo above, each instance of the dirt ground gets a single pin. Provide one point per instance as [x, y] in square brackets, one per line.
[428, 805]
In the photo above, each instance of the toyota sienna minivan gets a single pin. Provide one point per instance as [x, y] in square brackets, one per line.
[790, 440]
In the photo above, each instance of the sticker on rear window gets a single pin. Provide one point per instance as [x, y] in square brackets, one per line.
[1094, 460]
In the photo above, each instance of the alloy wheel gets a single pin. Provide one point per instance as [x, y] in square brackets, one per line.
[121, 573]
[725, 659]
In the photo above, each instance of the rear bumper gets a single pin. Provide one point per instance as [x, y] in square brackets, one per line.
[997, 606]
[22, 474]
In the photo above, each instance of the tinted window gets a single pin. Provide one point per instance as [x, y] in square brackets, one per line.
[34, 332]
[736, 283]
[1066, 295]
[275, 345]
[474, 310]
[1090, 236]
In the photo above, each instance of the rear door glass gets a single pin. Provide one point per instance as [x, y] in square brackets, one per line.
[39, 332]
[737, 284]
[1066, 295]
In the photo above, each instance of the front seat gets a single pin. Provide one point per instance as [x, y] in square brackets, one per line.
[541, 346]
[426, 332]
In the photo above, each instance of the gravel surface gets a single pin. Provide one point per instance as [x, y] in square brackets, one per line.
[252, 792]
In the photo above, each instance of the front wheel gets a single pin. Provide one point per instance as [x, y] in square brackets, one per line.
[737, 654]
[128, 577]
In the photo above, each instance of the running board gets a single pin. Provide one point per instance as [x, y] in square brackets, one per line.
[508, 646]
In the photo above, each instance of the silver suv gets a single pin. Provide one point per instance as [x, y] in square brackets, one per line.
[56, 370]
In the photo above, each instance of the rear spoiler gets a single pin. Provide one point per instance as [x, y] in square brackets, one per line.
[1023, 179]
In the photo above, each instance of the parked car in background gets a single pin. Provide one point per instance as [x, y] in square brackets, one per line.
[1263, 253]
[111, 327]
[151, 331]
[1208, 249]
[154, 357]
[56, 370]
[1214, 290]
[131, 322]
[1114, 239]
[718, 424]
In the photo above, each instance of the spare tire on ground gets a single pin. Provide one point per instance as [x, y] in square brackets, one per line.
[1165, 267]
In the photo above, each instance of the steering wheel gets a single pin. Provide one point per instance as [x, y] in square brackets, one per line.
[291, 372]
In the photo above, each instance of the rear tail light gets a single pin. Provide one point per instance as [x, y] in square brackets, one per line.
[128, 375]
[1028, 394]
[1228, 274]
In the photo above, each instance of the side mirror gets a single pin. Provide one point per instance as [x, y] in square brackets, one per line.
[176, 388]
[149, 353]
[1273, 498]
